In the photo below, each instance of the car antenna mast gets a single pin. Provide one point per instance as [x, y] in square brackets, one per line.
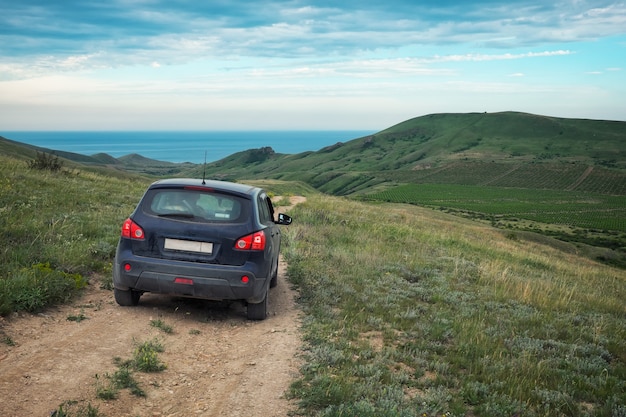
[204, 170]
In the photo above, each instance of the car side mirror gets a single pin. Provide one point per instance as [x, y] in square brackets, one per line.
[284, 219]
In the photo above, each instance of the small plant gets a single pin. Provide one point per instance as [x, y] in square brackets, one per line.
[73, 409]
[7, 341]
[77, 317]
[146, 358]
[123, 378]
[107, 285]
[194, 332]
[105, 389]
[161, 325]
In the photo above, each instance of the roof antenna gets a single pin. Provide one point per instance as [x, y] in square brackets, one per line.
[204, 171]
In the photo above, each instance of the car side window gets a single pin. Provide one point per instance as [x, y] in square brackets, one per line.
[264, 210]
[270, 206]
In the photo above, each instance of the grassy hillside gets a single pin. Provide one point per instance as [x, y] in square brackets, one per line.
[57, 229]
[413, 312]
[451, 317]
[480, 148]
[101, 162]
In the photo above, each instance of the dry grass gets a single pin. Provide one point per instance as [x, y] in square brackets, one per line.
[451, 317]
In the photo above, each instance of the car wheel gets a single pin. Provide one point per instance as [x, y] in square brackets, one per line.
[258, 311]
[274, 279]
[127, 298]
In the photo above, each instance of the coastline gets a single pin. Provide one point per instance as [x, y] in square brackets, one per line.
[182, 146]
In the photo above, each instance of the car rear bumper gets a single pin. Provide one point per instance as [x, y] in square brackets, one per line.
[188, 279]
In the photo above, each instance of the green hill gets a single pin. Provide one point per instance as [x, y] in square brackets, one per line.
[500, 149]
[97, 162]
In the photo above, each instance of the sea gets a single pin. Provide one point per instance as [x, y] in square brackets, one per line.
[185, 146]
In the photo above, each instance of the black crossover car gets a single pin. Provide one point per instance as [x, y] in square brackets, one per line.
[213, 240]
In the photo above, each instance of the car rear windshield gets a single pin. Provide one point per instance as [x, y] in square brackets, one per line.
[196, 205]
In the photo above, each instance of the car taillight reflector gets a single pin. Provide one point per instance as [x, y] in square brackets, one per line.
[255, 241]
[186, 281]
[245, 279]
[131, 230]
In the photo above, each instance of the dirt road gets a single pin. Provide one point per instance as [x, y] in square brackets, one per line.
[218, 363]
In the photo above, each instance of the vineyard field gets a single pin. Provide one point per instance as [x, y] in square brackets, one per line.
[548, 176]
[568, 208]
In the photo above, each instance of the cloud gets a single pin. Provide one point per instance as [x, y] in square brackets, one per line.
[501, 57]
[180, 30]
[203, 55]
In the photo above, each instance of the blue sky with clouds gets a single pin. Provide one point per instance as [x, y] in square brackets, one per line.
[269, 64]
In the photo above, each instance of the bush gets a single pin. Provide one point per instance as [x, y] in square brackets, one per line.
[32, 289]
[46, 161]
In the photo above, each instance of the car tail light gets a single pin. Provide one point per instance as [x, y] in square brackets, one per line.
[198, 188]
[131, 230]
[255, 241]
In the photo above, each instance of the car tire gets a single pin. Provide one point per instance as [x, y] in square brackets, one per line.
[258, 311]
[274, 279]
[126, 298]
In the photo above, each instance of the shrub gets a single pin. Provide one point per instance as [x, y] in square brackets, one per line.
[44, 161]
[32, 289]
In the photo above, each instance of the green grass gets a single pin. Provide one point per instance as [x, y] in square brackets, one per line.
[37, 287]
[567, 208]
[57, 228]
[410, 312]
[161, 325]
[595, 222]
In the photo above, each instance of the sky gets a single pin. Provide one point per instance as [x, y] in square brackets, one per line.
[304, 65]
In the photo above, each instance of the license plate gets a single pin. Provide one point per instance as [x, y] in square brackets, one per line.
[188, 246]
